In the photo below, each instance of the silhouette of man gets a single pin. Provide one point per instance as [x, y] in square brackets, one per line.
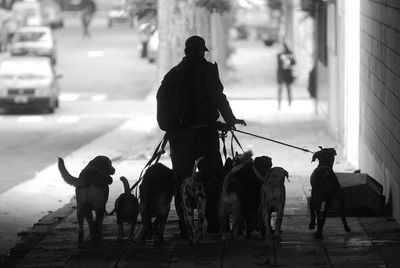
[198, 135]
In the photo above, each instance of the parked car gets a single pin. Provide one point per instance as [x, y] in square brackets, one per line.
[38, 41]
[119, 14]
[52, 15]
[152, 47]
[28, 82]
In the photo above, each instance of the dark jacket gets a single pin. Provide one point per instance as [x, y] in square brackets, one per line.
[204, 91]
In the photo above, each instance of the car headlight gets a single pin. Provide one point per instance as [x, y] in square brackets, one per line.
[3, 91]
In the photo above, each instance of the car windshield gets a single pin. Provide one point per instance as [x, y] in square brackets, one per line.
[25, 70]
[31, 36]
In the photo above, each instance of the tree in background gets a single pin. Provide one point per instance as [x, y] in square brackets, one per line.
[179, 19]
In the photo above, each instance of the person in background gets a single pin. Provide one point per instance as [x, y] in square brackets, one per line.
[285, 76]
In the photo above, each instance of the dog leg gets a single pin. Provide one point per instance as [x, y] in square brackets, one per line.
[340, 196]
[267, 222]
[81, 218]
[311, 226]
[146, 221]
[236, 221]
[278, 223]
[98, 223]
[121, 232]
[320, 219]
[224, 222]
[159, 230]
[132, 231]
[201, 215]
[189, 221]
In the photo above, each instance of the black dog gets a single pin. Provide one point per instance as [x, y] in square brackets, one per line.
[91, 190]
[324, 187]
[156, 191]
[127, 210]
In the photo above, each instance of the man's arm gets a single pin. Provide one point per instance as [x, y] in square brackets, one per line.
[215, 93]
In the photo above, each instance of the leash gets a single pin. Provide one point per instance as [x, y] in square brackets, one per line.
[282, 143]
[158, 152]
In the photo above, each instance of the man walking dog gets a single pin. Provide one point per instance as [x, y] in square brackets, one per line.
[189, 102]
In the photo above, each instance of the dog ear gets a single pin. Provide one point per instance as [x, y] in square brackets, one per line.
[287, 175]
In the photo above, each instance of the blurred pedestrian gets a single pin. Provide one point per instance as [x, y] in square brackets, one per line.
[285, 76]
[196, 97]
[88, 9]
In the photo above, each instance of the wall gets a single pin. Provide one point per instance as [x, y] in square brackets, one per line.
[379, 95]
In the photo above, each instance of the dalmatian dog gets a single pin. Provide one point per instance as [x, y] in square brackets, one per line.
[194, 198]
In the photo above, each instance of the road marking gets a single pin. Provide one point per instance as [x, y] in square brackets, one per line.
[95, 53]
[30, 119]
[97, 98]
[68, 119]
[68, 97]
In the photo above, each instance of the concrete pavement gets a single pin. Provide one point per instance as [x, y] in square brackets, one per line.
[373, 241]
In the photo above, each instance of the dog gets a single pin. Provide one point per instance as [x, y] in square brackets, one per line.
[324, 187]
[194, 197]
[231, 200]
[91, 190]
[251, 200]
[273, 198]
[155, 191]
[127, 210]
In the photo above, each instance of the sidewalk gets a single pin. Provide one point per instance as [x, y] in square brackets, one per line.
[373, 242]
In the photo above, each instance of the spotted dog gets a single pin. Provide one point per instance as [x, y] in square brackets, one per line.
[194, 197]
[324, 187]
[272, 199]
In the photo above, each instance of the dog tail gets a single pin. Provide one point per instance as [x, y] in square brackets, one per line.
[126, 185]
[196, 163]
[68, 178]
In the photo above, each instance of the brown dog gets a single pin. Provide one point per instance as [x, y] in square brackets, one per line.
[324, 187]
[156, 191]
[91, 190]
[273, 198]
[231, 201]
[127, 210]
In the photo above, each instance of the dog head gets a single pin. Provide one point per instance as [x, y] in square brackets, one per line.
[278, 174]
[103, 163]
[263, 164]
[325, 156]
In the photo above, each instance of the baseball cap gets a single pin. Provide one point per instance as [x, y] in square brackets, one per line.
[195, 42]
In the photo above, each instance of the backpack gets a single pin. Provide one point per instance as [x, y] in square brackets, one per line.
[176, 104]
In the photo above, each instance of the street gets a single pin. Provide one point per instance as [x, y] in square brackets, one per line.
[101, 86]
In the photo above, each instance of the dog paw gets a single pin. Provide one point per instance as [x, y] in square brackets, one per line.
[311, 226]
[347, 229]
